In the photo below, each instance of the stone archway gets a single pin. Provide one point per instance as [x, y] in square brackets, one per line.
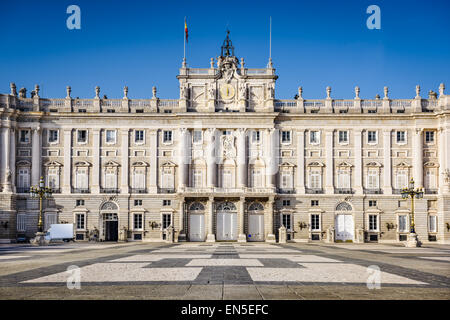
[344, 222]
[226, 222]
[109, 221]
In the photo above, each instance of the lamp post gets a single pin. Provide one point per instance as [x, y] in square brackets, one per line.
[40, 192]
[413, 193]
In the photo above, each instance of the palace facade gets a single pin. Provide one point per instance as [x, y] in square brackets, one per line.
[227, 160]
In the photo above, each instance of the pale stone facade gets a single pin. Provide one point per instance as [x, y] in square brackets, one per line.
[226, 161]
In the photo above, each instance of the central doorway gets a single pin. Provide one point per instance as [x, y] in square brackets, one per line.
[344, 227]
[226, 222]
[255, 222]
[111, 226]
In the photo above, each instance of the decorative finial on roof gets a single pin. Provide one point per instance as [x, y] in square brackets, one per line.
[227, 46]
[441, 89]
[386, 91]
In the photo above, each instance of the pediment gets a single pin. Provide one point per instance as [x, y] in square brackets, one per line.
[287, 164]
[168, 164]
[53, 164]
[316, 164]
[111, 164]
[374, 164]
[431, 164]
[82, 164]
[402, 165]
[140, 164]
[345, 164]
[23, 163]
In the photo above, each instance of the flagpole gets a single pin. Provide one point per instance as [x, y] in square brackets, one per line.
[270, 38]
[184, 37]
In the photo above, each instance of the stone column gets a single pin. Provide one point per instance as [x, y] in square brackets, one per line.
[182, 232]
[272, 158]
[6, 148]
[96, 161]
[125, 141]
[442, 166]
[241, 159]
[329, 183]
[418, 158]
[36, 157]
[1, 155]
[67, 161]
[300, 186]
[12, 159]
[210, 159]
[153, 162]
[387, 178]
[182, 159]
[241, 217]
[210, 237]
[268, 221]
[358, 163]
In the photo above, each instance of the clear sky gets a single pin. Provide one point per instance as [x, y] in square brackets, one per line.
[140, 44]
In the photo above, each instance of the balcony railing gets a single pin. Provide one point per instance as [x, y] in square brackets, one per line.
[166, 190]
[56, 190]
[138, 190]
[81, 190]
[314, 190]
[23, 189]
[431, 191]
[396, 191]
[286, 190]
[343, 190]
[373, 191]
[109, 190]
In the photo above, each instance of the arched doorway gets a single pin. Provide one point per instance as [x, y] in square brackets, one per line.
[226, 221]
[344, 223]
[255, 222]
[197, 230]
[110, 221]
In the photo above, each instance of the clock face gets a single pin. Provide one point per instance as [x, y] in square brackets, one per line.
[227, 91]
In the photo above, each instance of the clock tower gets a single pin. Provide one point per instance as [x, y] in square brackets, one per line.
[227, 86]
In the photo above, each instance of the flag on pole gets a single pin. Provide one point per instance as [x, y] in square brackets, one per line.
[186, 29]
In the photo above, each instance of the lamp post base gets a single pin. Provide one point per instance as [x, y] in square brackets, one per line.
[412, 241]
[40, 240]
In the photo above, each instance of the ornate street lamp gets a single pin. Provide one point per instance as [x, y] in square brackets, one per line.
[40, 192]
[417, 193]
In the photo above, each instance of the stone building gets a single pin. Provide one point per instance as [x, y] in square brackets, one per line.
[226, 161]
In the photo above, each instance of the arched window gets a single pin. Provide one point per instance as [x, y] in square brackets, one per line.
[197, 206]
[256, 206]
[226, 206]
[110, 206]
[344, 206]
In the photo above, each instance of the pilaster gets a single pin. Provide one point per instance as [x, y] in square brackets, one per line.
[387, 163]
[358, 162]
[67, 161]
[210, 237]
[329, 150]
[241, 217]
[300, 186]
[36, 156]
[125, 154]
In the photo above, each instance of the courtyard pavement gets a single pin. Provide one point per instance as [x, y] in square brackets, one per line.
[223, 271]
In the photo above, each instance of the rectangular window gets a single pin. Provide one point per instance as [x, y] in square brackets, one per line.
[227, 179]
[53, 136]
[373, 222]
[314, 137]
[110, 178]
[429, 136]
[343, 136]
[167, 136]
[167, 203]
[79, 203]
[286, 221]
[139, 136]
[226, 132]
[139, 110]
[82, 136]
[373, 179]
[197, 136]
[256, 136]
[314, 203]
[82, 110]
[167, 178]
[110, 111]
[139, 178]
[80, 221]
[286, 203]
[257, 178]
[372, 111]
[315, 180]
[432, 223]
[343, 179]
[372, 203]
[24, 178]
[401, 136]
[371, 136]
[166, 220]
[50, 218]
[315, 222]
[81, 178]
[24, 136]
[285, 136]
[430, 180]
[53, 178]
[21, 222]
[110, 136]
[137, 221]
[137, 203]
[402, 223]
[402, 180]
[286, 180]
[198, 178]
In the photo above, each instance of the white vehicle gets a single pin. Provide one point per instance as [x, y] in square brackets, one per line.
[60, 232]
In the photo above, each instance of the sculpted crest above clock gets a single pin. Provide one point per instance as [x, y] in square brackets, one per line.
[228, 87]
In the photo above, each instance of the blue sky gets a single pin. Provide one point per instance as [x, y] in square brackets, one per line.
[140, 44]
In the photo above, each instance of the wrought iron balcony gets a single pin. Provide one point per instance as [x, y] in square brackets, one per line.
[431, 191]
[23, 189]
[286, 190]
[343, 190]
[314, 190]
[166, 190]
[396, 191]
[81, 190]
[138, 190]
[56, 190]
[109, 190]
[373, 191]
